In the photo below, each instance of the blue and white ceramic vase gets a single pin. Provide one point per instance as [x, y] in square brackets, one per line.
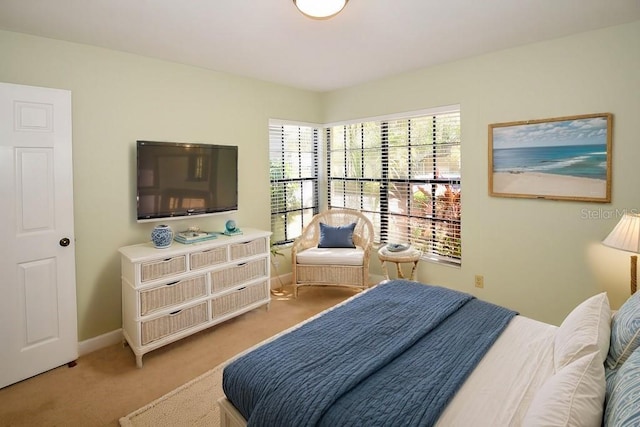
[162, 236]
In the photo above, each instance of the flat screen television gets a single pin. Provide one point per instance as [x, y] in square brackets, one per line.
[177, 180]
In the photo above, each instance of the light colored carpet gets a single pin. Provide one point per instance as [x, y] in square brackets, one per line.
[196, 402]
[192, 404]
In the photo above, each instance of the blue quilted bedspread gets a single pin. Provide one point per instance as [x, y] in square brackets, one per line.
[393, 356]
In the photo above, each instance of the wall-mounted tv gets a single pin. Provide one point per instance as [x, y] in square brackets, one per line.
[177, 180]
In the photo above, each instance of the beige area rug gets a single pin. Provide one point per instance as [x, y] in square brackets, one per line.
[196, 402]
[192, 404]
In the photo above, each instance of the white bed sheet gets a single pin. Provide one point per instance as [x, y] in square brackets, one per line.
[500, 389]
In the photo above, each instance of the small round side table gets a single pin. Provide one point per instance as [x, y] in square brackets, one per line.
[408, 255]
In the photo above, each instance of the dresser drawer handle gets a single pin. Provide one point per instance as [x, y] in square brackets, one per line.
[173, 283]
[174, 313]
[241, 289]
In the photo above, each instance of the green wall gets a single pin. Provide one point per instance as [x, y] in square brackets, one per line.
[118, 98]
[537, 256]
[540, 257]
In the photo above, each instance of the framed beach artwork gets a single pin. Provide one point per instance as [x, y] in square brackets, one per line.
[565, 158]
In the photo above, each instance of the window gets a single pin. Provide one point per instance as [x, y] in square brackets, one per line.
[293, 170]
[404, 174]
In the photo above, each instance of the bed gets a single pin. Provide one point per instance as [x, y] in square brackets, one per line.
[405, 353]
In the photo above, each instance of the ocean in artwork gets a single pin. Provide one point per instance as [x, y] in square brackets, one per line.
[587, 161]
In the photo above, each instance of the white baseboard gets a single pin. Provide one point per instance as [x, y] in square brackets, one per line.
[376, 278]
[284, 278]
[101, 341]
[115, 337]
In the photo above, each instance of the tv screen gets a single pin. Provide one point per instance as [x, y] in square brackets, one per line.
[182, 179]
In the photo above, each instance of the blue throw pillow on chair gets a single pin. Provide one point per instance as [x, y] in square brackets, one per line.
[336, 237]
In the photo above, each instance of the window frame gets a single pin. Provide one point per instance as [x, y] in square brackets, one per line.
[288, 233]
[442, 246]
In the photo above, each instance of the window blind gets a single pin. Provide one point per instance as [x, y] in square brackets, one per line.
[293, 170]
[404, 174]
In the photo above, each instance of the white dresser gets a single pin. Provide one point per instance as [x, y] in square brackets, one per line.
[168, 294]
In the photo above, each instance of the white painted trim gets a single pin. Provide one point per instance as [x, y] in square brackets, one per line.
[116, 337]
[284, 278]
[282, 122]
[374, 279]
[99, 342]
[403, 115]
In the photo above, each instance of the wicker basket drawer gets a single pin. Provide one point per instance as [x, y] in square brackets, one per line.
[166, 267]
[171, 294]
[247, 249]
[206, 258]
[229, 277]
[241, 298]
[161, 327]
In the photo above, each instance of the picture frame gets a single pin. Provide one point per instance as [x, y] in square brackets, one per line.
[563, 158]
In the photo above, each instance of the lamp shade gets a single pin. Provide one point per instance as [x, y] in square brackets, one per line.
[626, 234]
[320, 9]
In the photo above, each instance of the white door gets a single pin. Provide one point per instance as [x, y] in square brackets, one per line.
[38, 324]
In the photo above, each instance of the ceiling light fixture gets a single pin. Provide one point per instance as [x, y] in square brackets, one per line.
[320, 9]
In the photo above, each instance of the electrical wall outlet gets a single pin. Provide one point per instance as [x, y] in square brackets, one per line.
[479, 281]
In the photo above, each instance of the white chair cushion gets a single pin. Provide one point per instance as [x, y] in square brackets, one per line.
[331, 256]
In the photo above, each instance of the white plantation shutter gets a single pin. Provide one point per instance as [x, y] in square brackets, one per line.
[293, 154]
[404, 174]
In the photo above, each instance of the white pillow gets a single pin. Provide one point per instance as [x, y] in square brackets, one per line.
[574, 396]
[585, 330]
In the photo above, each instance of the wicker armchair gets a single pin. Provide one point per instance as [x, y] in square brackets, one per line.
[312, 266]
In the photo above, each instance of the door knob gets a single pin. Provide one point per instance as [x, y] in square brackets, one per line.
[64, 241]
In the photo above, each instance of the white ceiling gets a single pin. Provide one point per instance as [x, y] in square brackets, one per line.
[270, 40]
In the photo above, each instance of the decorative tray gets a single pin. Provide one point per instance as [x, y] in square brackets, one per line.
[397, 247]
[187, 237]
